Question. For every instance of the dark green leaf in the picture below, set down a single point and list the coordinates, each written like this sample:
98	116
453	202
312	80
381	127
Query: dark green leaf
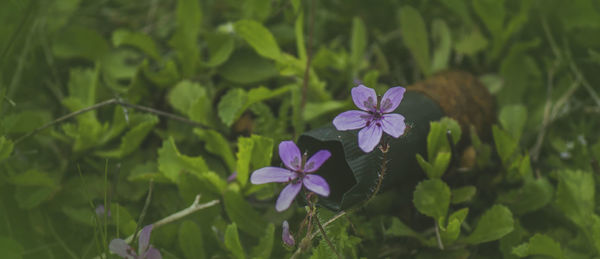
171	163
259	37
138	40
10	248
513	118
463	194
432	198
442	45
414	35
265	243
189	19
493	225
232	242
241	213
540	244
190	240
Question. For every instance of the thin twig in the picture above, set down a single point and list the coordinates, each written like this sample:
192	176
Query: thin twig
144	210
106	103
325	236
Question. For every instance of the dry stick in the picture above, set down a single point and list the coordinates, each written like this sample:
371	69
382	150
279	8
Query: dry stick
196	206
106	103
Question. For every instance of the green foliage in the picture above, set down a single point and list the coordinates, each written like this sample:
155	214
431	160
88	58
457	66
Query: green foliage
415	37
11	248
190	240
432	198
540	244
495	223
232	242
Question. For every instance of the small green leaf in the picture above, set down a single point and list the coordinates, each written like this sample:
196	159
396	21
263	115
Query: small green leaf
533	195
505	144
414	35
10	248
190	240
167	75
241	213
216	144
133	138
492	82
246	67
437	140
399	229
259	37
540	244
189	19
185	94
33	177
76	41
463	194
231	104
6	148
220	47
432	198
493	225
254	152
492	13
358	43
471	43
450	233
171	163
265	244
139	40
575	196
232	242
513	118
442	40
313	110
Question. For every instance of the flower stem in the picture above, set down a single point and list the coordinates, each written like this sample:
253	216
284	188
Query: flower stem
326	237
384	147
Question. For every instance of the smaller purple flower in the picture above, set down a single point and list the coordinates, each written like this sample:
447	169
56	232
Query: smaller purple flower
145	251
288	239
375	117
100	211
298	172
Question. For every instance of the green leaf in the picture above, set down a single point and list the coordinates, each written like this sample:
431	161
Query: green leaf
358	43
492	82
313	110
432	198
450	233
184	95
189	20
220	46
236	101
241	213
79	42
493	225
171	163
540	244
254	152
216	144
190	240
259	37
265	243
165	76
29	197
246	67
533	195
575	196
437	140
232	242
126	222
463	194
442	40
6	148
133	138
505	144
33	177
10	248
513	118
492	13
414	35
138	40
471	43
399	229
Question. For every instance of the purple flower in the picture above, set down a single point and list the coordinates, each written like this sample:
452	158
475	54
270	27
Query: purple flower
298	173
288	239
100	211
145	251
375	117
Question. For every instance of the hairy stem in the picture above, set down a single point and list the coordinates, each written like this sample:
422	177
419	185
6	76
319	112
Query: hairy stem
325	236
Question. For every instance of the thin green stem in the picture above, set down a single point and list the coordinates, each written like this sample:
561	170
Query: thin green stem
144	210
325	235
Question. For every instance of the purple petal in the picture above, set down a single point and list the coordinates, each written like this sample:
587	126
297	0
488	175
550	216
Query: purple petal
393	124
144	239
391	99
288	239
369	137
316	160
272	175
152	253
365	98
232	177
350	120
121	248
287	195
290	154
316	184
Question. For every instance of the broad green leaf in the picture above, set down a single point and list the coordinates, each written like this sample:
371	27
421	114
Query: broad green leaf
265	243
171	163
6	148
259	37
533	195
540	244
463	194
220	47
189	21
492	13
185	94
358	43
575	196
215	143
76	41
262	151
471	43
505	144
246	67
190	240
432	198
231	104
11	249
232	242
133	138
513	118
495	223
33	177
254	152
442	45
241	213
138	40
313	110
414	35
